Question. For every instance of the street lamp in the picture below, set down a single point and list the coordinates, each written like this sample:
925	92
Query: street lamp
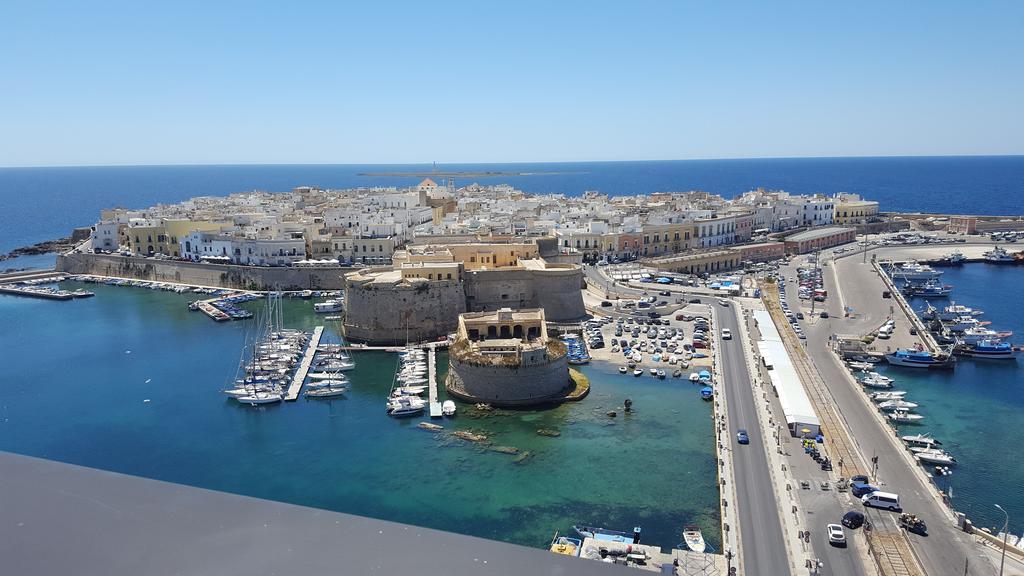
1002	558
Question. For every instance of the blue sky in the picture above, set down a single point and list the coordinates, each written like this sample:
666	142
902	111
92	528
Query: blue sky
375	82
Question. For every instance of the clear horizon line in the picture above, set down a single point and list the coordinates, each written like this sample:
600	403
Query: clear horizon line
507	163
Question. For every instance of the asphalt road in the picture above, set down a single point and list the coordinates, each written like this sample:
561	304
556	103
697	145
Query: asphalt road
763	548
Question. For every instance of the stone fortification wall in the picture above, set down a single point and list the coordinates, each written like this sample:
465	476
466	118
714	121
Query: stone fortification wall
556	290
518	385
393	313
222	275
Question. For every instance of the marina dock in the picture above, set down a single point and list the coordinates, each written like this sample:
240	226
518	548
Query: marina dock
435	406
307	359
36	293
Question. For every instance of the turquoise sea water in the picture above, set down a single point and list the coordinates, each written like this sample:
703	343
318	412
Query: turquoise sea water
977	410
129	381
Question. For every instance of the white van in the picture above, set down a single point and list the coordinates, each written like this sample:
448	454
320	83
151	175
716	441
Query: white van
886	500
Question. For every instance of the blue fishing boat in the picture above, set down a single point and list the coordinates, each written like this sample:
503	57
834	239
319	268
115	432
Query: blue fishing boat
707	393
917	358
990	349
606	535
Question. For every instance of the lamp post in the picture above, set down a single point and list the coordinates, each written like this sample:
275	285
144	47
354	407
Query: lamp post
1006	524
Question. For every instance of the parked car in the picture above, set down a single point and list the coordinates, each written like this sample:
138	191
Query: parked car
860	489
606	304
823	314
694	301
800	315
836	537
742	437
853	519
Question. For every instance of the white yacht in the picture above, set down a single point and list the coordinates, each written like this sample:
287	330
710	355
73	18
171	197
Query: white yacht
935	456
886	396
328	306
914	271
954	311
897	405
405	406
902	417
923	440
448	408
328	392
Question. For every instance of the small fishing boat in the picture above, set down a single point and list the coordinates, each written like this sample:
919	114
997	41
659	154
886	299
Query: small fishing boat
890	405
707	393
638	372
622	369
919	358
693	538
885	396
448	408
565	545
605	535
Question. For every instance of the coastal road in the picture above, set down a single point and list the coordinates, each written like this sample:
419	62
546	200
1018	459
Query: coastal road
945	546
763	547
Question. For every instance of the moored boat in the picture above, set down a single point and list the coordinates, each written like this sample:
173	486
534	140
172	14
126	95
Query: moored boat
916	358
693	538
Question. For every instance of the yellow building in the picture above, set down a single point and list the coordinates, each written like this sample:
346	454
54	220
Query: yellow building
165	238
474	256
432	270
851	209
662	239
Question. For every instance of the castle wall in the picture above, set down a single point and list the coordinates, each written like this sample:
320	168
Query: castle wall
545	381
393	313
203	274
555	290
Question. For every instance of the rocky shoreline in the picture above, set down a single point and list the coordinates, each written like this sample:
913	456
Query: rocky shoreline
59	245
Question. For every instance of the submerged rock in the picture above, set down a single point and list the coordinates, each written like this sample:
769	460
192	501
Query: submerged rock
504	449
549	432
430	426
470	436
523	456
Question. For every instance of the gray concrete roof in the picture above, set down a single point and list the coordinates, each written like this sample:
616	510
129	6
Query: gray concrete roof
817	233
58	518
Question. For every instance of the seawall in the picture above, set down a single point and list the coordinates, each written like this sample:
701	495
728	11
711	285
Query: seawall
203	274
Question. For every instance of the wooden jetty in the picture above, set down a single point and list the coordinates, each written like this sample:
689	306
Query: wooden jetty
307	360
435	406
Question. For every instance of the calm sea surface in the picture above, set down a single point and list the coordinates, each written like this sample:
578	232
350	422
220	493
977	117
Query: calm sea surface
977	409
129	381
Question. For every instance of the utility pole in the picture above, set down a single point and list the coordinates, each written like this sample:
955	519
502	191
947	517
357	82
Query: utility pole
1002	558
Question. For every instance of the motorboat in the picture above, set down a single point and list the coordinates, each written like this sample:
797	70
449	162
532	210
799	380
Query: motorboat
973	336
860	365
328	306
875	376
963	323
623	369
954	311
935	456
923	440
448	408
405	406
885	396
693	538
660	374
638	372
918	358
869	382
903	417
408	391
707	393
913	271
335	367
890	405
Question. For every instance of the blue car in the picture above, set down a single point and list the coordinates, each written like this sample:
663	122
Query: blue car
741	436
859	489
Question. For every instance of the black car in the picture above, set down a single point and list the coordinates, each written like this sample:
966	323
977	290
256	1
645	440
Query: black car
606	304
824	314
853	520
665	293
694	300
800	315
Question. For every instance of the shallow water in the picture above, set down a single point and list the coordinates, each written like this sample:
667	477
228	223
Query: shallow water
75	389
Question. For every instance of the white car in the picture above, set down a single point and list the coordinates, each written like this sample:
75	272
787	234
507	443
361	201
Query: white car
836	536
723	302
726	334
